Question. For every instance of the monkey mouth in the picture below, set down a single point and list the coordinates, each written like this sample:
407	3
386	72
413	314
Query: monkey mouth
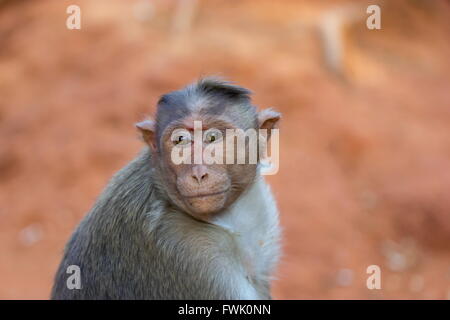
203	195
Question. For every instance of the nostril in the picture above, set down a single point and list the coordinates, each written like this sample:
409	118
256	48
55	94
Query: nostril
199	173
199	177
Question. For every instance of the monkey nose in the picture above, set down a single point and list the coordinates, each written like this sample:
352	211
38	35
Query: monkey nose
199	173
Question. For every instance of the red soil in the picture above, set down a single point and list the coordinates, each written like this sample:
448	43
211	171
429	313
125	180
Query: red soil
364	167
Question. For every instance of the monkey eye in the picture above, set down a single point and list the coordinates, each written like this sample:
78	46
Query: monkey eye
181	137
181	140
212	136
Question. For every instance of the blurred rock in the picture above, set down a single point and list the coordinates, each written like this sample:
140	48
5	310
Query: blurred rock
344	277
31	234
400	256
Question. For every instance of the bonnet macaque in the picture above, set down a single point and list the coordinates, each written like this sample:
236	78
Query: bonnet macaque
166	230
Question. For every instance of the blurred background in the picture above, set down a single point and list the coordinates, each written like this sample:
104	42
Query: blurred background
365	139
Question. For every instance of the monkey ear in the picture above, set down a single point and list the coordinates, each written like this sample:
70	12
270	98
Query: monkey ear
268	119
147	129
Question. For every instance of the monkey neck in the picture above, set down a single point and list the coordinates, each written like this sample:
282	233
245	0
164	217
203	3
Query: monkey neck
250	205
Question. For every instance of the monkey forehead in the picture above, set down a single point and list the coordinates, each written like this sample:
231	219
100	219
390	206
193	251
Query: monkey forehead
202	116
197	122
205	122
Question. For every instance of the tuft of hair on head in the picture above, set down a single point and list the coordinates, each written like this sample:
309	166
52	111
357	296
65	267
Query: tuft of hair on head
218	86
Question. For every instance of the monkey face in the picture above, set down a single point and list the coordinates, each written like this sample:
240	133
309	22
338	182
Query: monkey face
198	186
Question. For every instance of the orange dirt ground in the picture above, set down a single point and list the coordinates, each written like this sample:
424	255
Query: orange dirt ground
364	166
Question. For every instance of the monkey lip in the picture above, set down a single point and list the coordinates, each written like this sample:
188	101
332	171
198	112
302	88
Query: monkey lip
202	195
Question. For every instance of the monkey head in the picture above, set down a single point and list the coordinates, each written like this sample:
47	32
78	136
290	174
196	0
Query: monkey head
200	123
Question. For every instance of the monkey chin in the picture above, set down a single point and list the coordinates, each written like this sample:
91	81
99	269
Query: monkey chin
205	206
